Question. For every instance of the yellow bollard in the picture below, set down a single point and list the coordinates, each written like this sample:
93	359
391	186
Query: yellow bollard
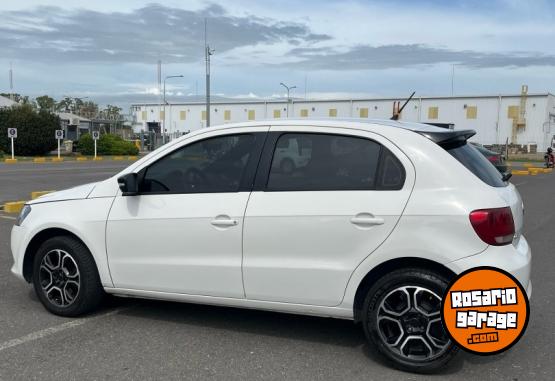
10	161
57	159
81	158
39	160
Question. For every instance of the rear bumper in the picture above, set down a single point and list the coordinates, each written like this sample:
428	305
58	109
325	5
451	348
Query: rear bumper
517	260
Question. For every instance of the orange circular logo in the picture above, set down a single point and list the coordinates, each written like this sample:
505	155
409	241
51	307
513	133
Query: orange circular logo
485	310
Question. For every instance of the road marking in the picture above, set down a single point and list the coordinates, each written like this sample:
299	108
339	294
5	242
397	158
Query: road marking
522	183
9	217
53	330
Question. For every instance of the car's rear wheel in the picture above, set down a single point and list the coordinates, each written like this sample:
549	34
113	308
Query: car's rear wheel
65	277
402	318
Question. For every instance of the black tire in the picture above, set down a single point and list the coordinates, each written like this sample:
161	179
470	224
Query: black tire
80	299
388	335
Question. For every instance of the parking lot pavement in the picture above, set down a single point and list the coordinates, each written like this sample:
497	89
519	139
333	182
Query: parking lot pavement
18	180
137	339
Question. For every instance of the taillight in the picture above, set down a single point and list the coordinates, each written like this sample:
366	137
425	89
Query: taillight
494	226
493	159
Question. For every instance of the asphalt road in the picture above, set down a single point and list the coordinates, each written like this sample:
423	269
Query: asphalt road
18	180
137	339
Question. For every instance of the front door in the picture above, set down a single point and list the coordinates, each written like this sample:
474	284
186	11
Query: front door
183	232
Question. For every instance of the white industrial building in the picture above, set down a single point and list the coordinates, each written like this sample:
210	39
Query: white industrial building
6	102
522	119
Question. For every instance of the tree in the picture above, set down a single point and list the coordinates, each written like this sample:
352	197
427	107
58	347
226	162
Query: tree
65	105
88	110
35	130
46	103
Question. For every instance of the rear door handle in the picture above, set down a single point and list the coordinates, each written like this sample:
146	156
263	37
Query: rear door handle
367	220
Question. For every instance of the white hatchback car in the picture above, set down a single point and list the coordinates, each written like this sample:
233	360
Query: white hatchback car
371	227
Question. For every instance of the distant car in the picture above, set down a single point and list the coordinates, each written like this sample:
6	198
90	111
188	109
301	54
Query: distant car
497	159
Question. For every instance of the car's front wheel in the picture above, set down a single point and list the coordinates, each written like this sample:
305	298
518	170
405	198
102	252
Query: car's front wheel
65	277
402	318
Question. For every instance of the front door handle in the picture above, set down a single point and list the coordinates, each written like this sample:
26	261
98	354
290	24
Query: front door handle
367	219
223	221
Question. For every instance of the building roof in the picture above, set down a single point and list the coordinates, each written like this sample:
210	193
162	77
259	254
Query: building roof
231	101
6	102
70	117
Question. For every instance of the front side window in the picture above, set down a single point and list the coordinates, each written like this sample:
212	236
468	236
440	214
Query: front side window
305	162
208	166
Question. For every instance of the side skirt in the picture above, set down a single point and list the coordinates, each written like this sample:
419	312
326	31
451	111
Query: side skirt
297	309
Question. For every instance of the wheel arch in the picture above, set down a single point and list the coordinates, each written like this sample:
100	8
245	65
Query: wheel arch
388	266
37	240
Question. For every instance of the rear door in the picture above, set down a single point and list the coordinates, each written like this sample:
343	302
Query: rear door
308	227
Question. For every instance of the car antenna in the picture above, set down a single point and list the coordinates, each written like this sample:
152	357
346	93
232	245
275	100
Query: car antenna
397	112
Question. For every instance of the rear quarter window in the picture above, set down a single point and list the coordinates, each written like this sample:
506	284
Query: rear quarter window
476	163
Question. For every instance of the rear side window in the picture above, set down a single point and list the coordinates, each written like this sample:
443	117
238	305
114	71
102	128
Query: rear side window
476	163
314	162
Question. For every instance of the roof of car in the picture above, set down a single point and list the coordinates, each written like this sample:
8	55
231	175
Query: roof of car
437	134
359	122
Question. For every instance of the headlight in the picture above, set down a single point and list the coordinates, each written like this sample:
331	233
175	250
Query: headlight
23	214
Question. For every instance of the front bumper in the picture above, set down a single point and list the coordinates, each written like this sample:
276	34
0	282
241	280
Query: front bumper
516	260
16	240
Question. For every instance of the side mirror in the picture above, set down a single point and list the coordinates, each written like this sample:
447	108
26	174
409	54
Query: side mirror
128	184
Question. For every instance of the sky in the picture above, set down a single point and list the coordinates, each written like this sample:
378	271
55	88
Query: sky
107	50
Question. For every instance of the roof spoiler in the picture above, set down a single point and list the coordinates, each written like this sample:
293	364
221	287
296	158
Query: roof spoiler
449	137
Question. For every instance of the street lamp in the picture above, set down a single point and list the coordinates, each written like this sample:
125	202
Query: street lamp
164	121
288	88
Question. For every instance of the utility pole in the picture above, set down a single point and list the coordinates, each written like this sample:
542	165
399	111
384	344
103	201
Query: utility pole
288	88
165	103
11	83
453	79
207	53
159	79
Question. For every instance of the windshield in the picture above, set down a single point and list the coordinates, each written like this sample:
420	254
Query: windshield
471	158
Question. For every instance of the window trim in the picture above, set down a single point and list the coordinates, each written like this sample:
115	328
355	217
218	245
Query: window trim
267	157
247	180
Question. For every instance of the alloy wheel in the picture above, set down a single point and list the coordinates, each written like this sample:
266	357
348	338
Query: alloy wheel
59	278
409	323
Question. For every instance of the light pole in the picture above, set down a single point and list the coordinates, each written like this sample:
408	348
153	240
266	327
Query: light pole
164	119
288	88
453	78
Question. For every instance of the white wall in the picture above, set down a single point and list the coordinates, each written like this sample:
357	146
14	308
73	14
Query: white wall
492	122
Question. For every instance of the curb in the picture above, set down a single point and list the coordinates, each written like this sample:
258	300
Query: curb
16	206
517	172
13	207
37	194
